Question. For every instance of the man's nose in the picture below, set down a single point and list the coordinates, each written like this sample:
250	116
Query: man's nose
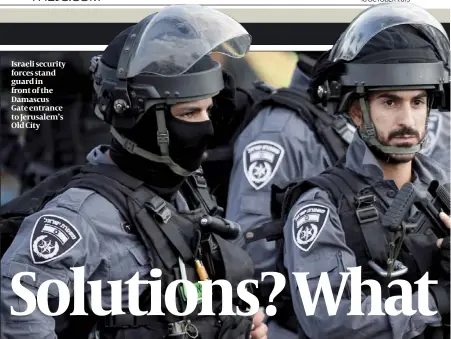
406	115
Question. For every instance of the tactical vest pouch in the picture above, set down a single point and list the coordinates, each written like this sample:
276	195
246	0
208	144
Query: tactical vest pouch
236	263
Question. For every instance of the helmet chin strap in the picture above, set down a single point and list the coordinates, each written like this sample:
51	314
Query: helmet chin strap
368	134
163	143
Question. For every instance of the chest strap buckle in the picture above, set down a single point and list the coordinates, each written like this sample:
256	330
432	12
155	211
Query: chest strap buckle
366	212
158	207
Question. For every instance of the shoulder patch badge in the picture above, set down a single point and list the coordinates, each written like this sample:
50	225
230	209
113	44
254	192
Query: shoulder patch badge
432	132
51	238
261	159
308	223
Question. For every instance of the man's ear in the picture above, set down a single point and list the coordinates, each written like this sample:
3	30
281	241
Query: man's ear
355	112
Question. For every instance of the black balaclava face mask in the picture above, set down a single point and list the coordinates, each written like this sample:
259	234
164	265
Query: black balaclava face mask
187	143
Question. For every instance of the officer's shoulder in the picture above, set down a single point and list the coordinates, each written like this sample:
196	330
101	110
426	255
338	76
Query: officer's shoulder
316	196
275	122
288	115
280	112
62	217
85	202
274	119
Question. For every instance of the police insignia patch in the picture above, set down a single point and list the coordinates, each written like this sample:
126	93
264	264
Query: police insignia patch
261	159
307	225
432	132
51	238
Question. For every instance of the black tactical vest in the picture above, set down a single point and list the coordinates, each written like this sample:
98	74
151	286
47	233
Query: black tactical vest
360	210
169	237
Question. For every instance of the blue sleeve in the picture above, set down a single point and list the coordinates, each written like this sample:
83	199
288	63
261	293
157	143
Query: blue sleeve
47	245
276	148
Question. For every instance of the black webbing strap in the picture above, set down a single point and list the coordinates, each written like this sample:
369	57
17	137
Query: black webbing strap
198	186
349	185
166	238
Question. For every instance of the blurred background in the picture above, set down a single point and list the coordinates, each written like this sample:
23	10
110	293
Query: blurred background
27	154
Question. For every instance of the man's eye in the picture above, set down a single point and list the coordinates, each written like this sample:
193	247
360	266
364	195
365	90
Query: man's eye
187	115
389	102
418	102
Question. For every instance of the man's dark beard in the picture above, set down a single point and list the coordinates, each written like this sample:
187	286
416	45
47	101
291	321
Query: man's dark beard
403	131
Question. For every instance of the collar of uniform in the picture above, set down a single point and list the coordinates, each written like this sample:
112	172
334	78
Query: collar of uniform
362	161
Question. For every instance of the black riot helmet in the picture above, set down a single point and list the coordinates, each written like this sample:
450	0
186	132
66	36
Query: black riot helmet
396	46
163	60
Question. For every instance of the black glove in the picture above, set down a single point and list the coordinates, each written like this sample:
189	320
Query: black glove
444	262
